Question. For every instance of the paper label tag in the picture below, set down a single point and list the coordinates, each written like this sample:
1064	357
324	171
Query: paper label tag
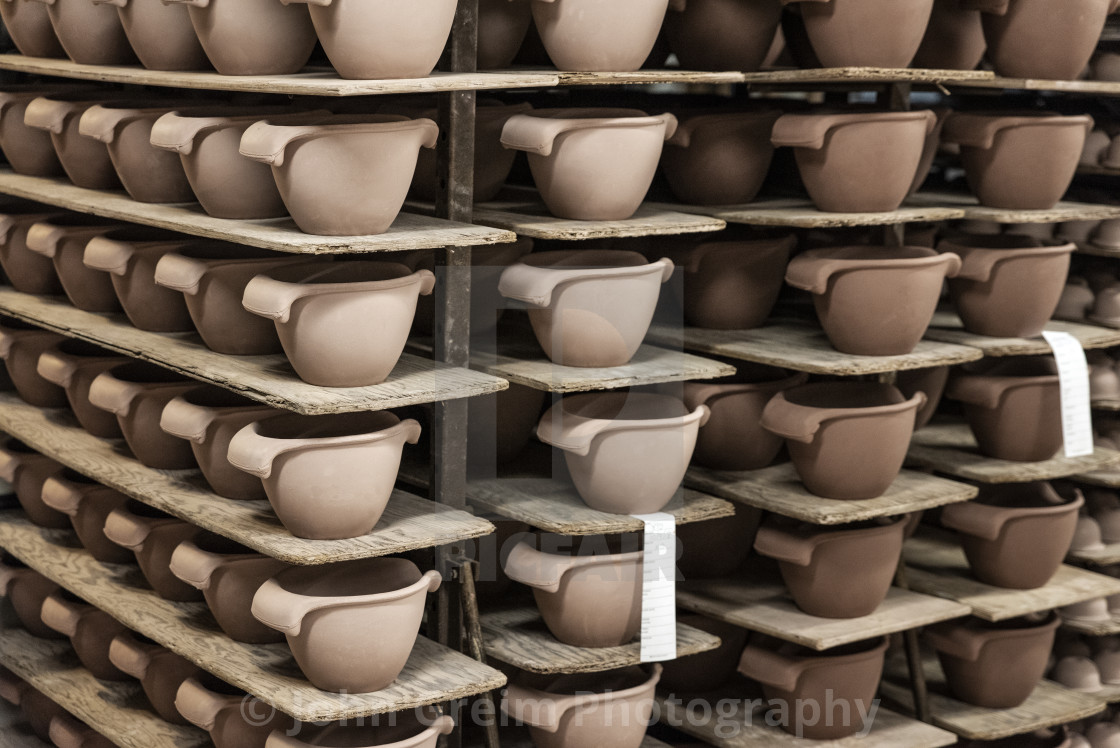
659	588
1073	371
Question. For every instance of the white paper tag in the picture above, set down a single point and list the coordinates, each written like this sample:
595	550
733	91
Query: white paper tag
1073	371
659	588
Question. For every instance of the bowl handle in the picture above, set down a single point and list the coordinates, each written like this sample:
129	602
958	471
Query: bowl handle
111	394
192	3
791	421
107	255
10	464
8	574
987	522
254	454
955	641
273	299
7	223
194	565
46	114
199	705
53	367
537	135
186	421
102	123
66	732
772	668
61	495
131	656
126	529
180	273
284	611
803	132
789	547
172	132
812	275
61	615
543	571
12	687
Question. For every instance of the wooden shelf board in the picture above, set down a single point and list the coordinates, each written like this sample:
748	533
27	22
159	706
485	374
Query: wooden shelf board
1091	88
268	379
1111	406
119	711
516	635
948	328
765	605
802	347
1106	555
778	489
1108	477
410	231
1109	694
866	75
409	522
1093	628
936	565
1063	211
644	77
801	213
949	447
434	673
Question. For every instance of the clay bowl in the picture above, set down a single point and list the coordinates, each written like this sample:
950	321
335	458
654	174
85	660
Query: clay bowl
707	671
1027	40
88	504
136	394
865	33
253	37
130	257
208	417
954	38
717	548
90	33
160	672
931	382
502	26
573	711
993	665
1013	407
835	572
590	164
1076	301
722	34
26	589
1015	536
26	271
873	301
70	733
587	35
1077	673
212	277
500	426
588	308
588	597
327	477
733	437
791	675
36	708
26	470
20	347
161	34
309	301
228	575
91	631
63	240
85	161
1098	149
627	453
399	730
856	163
233	719
73	365
1018	162
1086	535
28	150
1105	310
29	26
847	439
153	536
1008	286
351	626
322	170
720	159
1108	234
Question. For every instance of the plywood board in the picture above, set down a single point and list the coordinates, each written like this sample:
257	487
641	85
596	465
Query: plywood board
867	75
1106	555
1063	211
267	379
1093	628
778	489
802	213
1089	88
1110	406
434	673
409	522
948	328
529	217
1108	477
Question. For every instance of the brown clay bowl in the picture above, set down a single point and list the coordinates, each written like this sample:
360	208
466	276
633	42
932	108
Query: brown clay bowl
73	365
26	470
153	536
88	504
21	345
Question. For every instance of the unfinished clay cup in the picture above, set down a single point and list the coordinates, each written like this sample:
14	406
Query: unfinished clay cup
73	365
847	439
873	301
1087	535
421	728
1076	301
993	665
228	576
720	159
26	589
954	38
1098	147
252	37
1106	309
29	25
587	597
351	626
865	33
35	707
322	170
856	163
26	271
791	675
1077	673
161	34
91	34
502	26
233	718
589	308
88	504
1108	234
28	150
707	671
1008	286
70	733
208	417
63	239
130	257
929	381
20	346
733	437
573	711
500	426
590	164
1109	665
91	631
586	35
26	470
1015	536
160	672
840	572
308	302
86	161
327	477
1013	407
718	547
153	536
1104	380
1018	162
722	34
136	394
